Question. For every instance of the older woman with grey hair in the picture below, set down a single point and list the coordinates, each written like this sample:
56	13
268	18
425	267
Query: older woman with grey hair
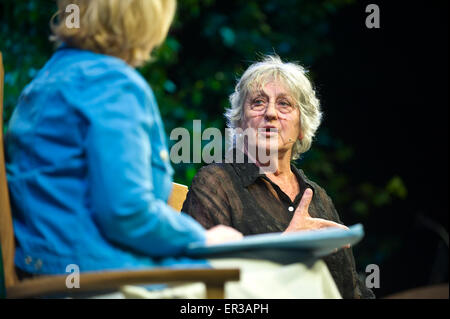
276	106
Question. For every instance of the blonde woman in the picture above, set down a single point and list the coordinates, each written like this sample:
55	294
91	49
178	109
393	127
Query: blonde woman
87	162
276	102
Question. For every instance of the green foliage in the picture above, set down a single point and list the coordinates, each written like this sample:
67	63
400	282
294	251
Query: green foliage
24	32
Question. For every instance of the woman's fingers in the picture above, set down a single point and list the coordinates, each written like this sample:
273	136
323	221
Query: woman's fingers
304	202
327	223
305	223
323	223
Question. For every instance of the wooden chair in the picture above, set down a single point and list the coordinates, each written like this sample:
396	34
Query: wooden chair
178	195
55	285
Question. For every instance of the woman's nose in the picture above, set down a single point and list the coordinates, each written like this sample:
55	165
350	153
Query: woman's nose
271	112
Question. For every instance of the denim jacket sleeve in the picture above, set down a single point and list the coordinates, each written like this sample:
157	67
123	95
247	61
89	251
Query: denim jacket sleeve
119	156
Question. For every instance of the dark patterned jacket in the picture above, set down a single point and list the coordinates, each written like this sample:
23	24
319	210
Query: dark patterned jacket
237	195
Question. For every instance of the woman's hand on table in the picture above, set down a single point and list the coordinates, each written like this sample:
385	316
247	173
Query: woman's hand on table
221	234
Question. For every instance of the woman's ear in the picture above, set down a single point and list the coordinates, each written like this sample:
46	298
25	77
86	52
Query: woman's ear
300	136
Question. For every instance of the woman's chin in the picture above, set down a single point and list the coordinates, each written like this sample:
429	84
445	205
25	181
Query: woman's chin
270	143
267	149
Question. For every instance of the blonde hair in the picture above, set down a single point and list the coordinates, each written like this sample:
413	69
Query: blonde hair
293	76
127	29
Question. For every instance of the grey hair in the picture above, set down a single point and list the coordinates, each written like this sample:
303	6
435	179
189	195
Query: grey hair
293	76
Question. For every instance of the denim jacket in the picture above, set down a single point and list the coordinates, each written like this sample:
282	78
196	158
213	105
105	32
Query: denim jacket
89	173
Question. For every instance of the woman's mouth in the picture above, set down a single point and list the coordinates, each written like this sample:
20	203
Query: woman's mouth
268	131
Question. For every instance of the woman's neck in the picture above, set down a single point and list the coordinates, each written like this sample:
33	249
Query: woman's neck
282	166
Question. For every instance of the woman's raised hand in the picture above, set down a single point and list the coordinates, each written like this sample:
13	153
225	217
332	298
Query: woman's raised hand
302	221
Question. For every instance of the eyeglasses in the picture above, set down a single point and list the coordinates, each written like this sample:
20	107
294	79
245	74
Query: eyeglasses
260	104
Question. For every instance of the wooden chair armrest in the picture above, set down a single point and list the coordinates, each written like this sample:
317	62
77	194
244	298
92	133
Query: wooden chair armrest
214	280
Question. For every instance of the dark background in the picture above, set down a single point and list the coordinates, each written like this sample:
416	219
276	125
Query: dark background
382	150
386	93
